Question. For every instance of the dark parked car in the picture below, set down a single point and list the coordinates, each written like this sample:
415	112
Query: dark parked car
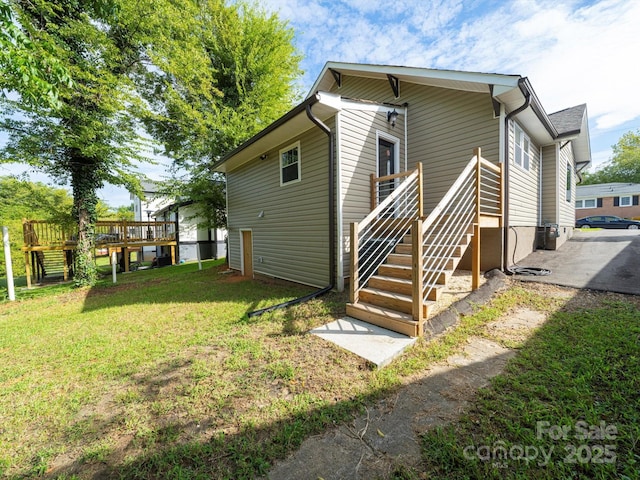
607	221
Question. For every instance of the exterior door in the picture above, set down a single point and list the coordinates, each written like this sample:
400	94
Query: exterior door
386	166
247	253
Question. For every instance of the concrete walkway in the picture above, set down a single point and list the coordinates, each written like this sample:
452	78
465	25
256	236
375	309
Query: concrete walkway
388	433
607	260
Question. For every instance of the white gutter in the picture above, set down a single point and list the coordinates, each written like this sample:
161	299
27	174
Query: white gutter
340	227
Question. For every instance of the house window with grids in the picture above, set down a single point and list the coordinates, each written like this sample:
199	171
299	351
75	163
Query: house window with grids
290	164
523	149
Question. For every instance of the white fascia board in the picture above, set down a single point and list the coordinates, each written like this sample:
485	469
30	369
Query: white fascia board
415	74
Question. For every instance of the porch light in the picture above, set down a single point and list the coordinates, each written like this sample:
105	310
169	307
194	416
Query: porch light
392	117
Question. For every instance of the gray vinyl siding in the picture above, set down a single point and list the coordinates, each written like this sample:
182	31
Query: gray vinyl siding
567	208
359	131
444	126
523	185
292	236
550	184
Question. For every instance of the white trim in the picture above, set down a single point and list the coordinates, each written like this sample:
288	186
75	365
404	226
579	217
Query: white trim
582	200
406	142
526	139
339	219
299	162
630	197
396	155
240	230
502	83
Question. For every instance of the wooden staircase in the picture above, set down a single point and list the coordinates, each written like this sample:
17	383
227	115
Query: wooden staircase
387	298
401	260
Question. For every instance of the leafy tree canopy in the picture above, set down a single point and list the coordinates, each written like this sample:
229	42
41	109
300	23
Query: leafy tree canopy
27	67
201	75
624	166
253	62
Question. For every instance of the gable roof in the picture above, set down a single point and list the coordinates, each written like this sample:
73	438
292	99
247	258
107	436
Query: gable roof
607	190
512	91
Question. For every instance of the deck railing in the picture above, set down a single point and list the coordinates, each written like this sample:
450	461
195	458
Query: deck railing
377	235
121	232
476	193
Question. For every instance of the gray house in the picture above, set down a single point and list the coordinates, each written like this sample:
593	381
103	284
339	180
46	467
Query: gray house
384	176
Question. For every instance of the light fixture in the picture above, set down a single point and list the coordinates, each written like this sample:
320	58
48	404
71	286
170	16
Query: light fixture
263	156
392	117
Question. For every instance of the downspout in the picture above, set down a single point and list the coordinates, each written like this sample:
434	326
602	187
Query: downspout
332	227
521	108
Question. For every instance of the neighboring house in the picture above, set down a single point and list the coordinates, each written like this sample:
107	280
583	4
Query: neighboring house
191	235
620	199
143	210
295	189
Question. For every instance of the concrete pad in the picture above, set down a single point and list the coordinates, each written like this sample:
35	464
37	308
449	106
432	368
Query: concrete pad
375	344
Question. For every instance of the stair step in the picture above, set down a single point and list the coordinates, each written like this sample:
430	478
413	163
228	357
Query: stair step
401	285
465	239
399	259
385	318
391	300
405	271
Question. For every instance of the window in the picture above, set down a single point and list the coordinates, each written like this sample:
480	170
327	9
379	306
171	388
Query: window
523	148
586	203
290	164
625	201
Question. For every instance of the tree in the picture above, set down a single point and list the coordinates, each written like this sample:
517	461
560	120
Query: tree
26	67
93	136
183	68
254	63
624	166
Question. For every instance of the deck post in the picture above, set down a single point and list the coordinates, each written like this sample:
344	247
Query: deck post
372	186
173	254
65	268
475	242
27	266
416	275
354	263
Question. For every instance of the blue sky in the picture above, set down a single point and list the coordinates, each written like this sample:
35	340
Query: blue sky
573	52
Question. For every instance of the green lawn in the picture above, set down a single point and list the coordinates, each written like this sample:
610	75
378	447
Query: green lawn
567	407
162	375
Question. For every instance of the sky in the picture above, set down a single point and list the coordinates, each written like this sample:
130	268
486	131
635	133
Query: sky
573	52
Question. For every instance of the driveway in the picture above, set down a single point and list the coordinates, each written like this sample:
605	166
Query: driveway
606	260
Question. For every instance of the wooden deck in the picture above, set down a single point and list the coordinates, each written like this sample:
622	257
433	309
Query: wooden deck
41	237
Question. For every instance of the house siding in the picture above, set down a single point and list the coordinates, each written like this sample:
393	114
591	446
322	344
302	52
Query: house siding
444	127
523	185
550	181
359	131
290	241
567	207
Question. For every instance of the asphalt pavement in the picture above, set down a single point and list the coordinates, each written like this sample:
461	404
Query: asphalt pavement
607	260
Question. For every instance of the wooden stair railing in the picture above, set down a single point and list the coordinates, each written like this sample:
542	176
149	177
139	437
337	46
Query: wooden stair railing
401	291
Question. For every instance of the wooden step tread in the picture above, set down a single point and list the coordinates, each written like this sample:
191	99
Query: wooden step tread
387	312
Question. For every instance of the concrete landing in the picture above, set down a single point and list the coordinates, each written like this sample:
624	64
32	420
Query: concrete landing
375	344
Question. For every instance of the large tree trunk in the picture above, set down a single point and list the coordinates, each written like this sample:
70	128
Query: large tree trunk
85	181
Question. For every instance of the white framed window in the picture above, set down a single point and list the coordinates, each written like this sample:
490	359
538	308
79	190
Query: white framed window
522	149
290	164
626	201
587	203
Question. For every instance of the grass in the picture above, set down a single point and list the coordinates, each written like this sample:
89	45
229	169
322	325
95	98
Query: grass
568	405
163	375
